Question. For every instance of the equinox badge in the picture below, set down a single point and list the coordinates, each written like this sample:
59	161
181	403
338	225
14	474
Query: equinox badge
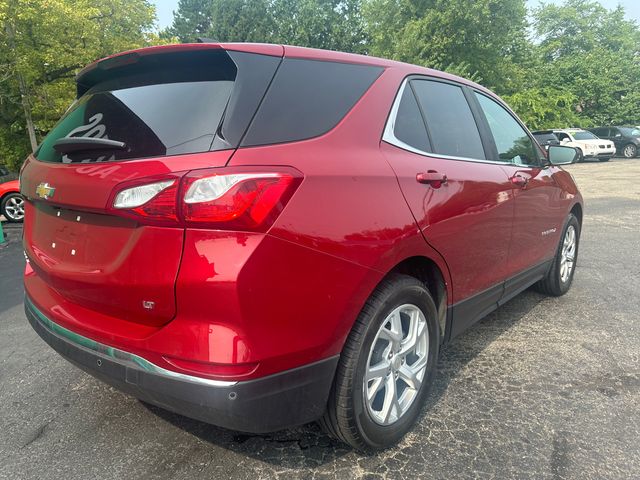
44	190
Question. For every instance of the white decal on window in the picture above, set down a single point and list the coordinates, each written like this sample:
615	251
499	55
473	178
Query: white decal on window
93	129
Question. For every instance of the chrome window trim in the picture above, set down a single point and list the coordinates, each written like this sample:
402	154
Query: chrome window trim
389	136
116	355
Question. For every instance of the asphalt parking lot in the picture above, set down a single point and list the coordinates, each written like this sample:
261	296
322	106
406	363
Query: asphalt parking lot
542	388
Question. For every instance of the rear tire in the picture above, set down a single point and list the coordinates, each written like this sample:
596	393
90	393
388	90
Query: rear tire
356	413
558	280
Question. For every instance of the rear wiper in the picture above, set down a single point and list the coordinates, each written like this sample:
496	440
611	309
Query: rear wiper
84	144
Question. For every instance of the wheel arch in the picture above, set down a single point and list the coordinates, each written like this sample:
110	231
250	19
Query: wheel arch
4	194
428	272
578	212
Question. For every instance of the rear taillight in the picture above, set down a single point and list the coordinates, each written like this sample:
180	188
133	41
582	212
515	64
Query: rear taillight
242	201
220	198
135	197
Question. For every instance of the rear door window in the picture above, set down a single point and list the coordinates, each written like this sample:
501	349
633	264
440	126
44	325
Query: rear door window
155	113
512	141
308	98
450	123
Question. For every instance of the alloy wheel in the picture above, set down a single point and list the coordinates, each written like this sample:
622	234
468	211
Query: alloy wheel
396	364
568	254
14	208
629	151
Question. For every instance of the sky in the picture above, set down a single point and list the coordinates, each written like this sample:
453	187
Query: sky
165	8
164	11
631	7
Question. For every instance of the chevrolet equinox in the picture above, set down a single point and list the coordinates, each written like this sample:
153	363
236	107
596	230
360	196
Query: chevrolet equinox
260	236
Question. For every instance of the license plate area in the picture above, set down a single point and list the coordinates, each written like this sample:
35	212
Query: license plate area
85	240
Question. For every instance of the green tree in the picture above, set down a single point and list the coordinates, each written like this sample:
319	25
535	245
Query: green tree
484	39
190	21
43	45
330	24
542	108
593	54
241	21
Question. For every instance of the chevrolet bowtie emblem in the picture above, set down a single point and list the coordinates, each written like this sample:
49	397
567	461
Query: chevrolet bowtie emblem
44	190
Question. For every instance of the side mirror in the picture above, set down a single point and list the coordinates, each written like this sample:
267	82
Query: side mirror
559	155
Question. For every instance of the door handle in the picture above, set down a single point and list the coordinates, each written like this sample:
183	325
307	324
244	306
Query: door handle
433	178
519	180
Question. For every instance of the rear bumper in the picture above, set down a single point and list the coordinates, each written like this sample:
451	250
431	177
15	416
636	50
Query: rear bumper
283	400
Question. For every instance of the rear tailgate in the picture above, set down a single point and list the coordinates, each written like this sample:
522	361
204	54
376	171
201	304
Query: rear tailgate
171	108
104	262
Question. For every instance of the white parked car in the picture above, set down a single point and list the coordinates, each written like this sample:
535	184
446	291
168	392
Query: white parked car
588	145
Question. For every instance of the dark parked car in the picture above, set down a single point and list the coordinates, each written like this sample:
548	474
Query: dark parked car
260	236
626	139
546	138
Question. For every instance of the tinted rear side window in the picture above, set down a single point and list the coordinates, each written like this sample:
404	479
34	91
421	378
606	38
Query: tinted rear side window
308	98
452	128
163	111
409	126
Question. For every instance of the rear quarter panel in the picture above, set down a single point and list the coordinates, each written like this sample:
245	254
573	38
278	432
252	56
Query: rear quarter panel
348	207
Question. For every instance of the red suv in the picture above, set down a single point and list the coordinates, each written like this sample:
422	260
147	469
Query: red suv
260	236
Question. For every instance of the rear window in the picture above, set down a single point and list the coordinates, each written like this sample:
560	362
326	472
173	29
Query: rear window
165	110
308	98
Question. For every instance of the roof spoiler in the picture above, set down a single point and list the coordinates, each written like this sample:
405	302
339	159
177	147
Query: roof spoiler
101	69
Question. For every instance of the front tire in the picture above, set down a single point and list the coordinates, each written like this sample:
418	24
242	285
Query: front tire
629	150
386	367
560	276
580	157
12	207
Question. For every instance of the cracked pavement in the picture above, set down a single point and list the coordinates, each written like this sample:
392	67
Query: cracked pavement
542	388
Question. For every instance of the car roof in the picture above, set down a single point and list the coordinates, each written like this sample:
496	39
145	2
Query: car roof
542	132
570	130
287	51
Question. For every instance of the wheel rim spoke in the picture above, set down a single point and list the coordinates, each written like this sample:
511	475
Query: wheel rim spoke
410	374
375	387
390	399
568	253
377	371
392	331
